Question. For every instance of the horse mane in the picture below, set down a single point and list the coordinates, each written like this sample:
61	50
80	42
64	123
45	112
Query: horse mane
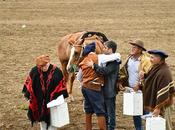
91	33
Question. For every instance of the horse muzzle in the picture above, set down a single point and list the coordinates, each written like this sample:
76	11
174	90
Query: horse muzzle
72	69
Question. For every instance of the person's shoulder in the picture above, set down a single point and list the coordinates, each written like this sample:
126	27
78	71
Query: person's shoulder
118	62
92	54
34	70
58	72
164	71
114	63
57	69
145	57
165	68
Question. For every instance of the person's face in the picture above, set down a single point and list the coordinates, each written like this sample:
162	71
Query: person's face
135	50
45	67
155	59
107	50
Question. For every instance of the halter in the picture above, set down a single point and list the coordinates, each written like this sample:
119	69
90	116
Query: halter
81	53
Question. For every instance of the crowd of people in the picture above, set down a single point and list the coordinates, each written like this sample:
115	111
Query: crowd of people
101	80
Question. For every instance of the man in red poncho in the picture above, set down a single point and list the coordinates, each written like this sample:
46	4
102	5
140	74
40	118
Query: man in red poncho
44	83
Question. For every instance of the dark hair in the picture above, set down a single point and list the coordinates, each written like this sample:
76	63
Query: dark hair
112	45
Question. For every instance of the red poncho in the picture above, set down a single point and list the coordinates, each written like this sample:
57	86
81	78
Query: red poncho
40	88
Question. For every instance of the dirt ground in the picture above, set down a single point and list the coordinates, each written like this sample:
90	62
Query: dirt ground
29	28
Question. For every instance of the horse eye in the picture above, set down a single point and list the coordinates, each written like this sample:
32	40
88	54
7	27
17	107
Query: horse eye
76	54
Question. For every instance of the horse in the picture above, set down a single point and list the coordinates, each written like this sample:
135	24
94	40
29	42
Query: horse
70	49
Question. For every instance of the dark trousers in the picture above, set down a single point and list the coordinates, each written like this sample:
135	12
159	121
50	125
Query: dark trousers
137	122
110	108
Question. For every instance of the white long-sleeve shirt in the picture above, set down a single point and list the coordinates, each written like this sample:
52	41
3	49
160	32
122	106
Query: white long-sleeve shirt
103	58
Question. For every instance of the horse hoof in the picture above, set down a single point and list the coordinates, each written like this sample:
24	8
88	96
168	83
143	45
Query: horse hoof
70	99
67	100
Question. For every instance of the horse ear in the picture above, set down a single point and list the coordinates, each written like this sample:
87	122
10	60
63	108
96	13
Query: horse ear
71	41
100	38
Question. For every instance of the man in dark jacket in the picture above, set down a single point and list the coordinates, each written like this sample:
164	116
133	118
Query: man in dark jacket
110	72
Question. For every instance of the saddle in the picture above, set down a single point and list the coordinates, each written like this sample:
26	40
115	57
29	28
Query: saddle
87	36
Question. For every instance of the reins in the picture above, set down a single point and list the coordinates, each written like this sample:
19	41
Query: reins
82	45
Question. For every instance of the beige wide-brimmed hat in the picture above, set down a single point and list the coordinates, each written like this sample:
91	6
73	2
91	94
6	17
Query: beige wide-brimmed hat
42	60
138	43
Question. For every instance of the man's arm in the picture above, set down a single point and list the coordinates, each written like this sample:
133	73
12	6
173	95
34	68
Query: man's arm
103	59
110	68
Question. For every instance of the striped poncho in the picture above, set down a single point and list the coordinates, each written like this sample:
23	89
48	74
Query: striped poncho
158	88
40	88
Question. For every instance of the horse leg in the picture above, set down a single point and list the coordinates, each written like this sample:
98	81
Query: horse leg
65	74
63	67
71	80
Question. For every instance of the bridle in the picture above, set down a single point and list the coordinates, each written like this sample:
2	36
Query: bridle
82	46
81	53
74	66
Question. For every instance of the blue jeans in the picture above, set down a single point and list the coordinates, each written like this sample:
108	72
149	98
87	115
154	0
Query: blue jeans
110	108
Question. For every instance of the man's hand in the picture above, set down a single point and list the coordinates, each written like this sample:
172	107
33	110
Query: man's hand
120	87
136	87
141	75
90	63
156	112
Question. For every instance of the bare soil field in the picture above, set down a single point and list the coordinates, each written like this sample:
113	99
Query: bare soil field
29	28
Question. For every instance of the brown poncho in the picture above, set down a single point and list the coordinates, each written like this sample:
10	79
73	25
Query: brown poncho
159	88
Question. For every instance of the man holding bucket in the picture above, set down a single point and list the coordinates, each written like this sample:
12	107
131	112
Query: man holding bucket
129	73
159	88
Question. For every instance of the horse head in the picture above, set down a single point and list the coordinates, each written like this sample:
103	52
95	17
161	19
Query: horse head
78	46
